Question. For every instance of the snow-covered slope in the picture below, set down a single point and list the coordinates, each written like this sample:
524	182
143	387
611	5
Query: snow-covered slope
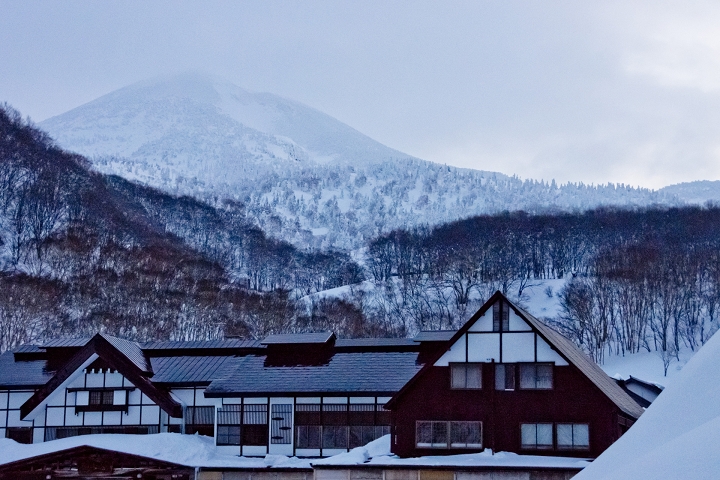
303	176
678	437
199	126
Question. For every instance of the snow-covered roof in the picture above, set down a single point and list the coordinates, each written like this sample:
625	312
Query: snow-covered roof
186	450
678	437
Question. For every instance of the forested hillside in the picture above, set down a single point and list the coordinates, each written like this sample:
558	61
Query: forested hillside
639	279
82	252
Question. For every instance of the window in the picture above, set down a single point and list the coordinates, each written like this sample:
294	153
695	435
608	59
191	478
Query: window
20	434
101	397
465	435
505	376
536	435
255	425
501	317
536	376
363	434
433	434
335	436
573	436
339	426
200	420
465	376
229	418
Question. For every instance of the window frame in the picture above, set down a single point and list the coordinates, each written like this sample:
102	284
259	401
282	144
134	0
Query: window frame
501	317
535	366
465	366
572	447
448	427
512	367
535	446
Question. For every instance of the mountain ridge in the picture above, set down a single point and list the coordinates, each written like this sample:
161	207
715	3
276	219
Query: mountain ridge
303	176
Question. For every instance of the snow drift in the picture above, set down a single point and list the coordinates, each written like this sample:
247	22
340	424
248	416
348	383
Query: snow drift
679	435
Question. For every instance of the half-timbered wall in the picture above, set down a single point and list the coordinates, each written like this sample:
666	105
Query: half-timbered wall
10	424
490	408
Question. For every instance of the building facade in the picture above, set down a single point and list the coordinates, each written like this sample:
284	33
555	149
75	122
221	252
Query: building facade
503	381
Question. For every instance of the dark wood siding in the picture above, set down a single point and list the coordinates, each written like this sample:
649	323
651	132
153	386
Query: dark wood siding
573	399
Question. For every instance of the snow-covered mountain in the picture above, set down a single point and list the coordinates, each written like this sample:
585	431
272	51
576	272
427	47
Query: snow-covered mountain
302	175
698	192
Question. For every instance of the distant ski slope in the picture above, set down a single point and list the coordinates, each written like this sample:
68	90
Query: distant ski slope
303	176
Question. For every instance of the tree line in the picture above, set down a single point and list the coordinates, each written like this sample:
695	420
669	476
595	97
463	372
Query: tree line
646	278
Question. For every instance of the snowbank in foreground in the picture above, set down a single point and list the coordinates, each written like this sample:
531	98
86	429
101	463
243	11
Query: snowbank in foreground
187	450
678	437
378	453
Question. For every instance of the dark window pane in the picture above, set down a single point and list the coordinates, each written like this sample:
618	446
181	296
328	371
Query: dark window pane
423	434
255	435
335	414
439	434
95	397
361	414
544	376
228	435
528	375
20	434
307	414
307	436
505	376
466	434
334	436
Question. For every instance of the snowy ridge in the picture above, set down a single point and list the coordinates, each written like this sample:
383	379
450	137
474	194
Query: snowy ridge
303	176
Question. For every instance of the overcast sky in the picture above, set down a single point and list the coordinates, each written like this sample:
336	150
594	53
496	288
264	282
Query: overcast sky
625	92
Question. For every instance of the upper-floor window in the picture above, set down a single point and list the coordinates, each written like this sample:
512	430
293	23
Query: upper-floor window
501	317
101	397
536	376
532	376
505	376
466	376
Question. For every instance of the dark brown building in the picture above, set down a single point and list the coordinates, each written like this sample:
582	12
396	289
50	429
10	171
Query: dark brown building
506	381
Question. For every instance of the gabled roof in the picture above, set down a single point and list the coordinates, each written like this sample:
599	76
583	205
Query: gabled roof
379	373
124	356
588	367
571	353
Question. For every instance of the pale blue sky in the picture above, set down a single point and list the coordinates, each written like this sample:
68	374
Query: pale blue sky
577	91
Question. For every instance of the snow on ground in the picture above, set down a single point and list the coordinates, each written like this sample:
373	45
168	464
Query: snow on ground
646	366
540	297
187	450
378	453
678	437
